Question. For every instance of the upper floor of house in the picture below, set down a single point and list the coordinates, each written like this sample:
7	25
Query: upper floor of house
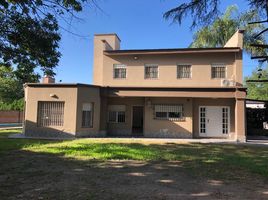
184	67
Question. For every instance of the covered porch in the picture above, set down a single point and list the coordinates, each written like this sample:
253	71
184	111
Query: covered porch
173	112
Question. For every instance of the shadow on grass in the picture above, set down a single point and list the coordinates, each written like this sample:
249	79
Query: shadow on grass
32	175
87	169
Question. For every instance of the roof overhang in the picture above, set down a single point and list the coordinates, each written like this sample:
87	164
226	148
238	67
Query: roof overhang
219	92
170	51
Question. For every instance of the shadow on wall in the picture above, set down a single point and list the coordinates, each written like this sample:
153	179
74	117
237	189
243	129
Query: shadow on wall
31	129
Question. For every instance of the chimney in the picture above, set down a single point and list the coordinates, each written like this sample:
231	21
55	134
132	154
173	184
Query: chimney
236	40
48	79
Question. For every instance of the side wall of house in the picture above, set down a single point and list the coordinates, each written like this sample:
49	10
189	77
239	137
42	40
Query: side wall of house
35	94
89	95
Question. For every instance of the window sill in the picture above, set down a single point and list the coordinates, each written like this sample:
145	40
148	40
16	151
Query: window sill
172	120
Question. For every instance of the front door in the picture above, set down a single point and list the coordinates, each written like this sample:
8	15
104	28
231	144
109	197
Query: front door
137	120
214	121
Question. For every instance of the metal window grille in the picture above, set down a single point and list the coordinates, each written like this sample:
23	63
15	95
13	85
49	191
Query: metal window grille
120	71
50	114
202	120
225	122
184	71
151	71
87	115
218	71
168	112
117	113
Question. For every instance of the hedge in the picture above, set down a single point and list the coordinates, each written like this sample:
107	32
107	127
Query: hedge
15	105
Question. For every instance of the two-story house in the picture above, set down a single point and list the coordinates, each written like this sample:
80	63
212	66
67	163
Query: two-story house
169	93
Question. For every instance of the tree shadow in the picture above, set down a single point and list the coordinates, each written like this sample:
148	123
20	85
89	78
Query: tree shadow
131	171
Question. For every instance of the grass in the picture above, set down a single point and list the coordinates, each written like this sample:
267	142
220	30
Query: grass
211	160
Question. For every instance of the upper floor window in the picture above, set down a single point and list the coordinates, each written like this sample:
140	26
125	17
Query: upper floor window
184	71
87	115
218	71
120	71
151	71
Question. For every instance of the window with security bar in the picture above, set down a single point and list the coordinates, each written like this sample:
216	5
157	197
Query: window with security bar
151	72
168	112
87	115
184	71
218	71
50	114
120	71
116	113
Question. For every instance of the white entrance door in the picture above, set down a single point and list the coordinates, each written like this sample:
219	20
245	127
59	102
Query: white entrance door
214	121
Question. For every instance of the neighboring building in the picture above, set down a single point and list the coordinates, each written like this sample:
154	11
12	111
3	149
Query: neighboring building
170	93
256	104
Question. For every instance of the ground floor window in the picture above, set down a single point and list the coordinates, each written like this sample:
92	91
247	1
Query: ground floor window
87	115
50	113
168	112
117	113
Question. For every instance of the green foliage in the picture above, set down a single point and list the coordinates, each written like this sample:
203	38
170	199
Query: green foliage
14	105
12	81
258	91
29	34
204	13
222	29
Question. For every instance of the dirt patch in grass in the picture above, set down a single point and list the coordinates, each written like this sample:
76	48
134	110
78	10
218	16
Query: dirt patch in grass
31	175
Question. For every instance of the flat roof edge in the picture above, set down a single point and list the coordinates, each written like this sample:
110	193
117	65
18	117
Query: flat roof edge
60	85
171	51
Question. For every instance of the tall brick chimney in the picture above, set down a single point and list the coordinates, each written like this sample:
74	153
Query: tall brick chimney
48	79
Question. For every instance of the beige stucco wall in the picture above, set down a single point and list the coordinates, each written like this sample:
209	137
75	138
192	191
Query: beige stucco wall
73	97
153	127
88	95
167	66
197	102
33	95
165	128
123	128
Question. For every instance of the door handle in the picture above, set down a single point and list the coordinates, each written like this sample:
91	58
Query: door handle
208	120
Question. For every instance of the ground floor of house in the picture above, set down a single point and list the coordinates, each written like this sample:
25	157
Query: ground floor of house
78	110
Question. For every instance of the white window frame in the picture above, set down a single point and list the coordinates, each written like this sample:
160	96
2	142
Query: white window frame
184	64
167	108
218	65
119	66
151	65
117	109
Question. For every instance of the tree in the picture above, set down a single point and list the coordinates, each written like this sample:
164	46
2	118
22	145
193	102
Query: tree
221	30
257	91
12	81
205	12
30	34
10	87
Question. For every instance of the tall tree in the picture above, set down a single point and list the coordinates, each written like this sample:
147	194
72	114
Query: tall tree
221	30
30	31
258	90
205	12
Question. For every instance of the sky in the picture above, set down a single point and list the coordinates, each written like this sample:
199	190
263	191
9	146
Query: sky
138	23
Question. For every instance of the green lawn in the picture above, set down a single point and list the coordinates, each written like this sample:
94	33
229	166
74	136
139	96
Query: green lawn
213	160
